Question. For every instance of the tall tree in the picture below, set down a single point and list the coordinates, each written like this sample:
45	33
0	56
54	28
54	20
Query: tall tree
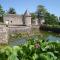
41	9
33	15
59	19
11	11
1	13
1	10
49	18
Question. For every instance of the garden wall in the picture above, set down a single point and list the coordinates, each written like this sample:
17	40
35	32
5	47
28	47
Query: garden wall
5	30
18	29
3	34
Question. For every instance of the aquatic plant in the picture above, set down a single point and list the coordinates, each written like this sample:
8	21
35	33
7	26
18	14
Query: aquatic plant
32	50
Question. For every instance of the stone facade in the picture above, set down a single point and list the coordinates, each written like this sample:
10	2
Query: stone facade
25	19
18	29
13	19
17	23
35	21
3	34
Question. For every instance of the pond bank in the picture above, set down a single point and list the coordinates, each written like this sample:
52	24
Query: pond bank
52	28
22	39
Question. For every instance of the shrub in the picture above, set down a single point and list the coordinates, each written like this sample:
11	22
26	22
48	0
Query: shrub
32	50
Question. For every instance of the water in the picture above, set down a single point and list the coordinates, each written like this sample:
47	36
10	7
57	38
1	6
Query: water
53	38
21	41
18	42
48	36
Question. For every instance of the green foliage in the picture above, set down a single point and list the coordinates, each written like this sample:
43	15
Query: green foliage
48	17
16	36
51	19
41	9
32	50
33	16
1	13
11	11
1	10
1	19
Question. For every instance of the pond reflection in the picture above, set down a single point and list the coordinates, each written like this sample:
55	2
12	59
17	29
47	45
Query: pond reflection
53	38
45	35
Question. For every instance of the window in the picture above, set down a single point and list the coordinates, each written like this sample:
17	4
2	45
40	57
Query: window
7	21
11	21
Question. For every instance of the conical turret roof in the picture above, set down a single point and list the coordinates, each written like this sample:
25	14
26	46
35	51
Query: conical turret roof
27	13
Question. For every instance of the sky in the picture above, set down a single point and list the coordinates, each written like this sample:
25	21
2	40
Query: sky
53	6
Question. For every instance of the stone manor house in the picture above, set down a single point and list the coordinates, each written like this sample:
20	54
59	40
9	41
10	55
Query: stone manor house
13	19
13	23
21	20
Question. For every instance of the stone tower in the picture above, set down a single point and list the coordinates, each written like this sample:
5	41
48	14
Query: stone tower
27	18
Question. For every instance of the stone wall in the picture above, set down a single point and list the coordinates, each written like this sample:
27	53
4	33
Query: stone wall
3	34
35	22
28	21
18	29
13	19
6	30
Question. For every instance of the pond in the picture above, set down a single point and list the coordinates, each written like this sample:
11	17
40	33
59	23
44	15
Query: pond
51	37
17	42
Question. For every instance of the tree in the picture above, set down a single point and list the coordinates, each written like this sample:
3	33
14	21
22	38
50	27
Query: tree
1	10
41	9
1	13
59	19
33	15
11	11
49	18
